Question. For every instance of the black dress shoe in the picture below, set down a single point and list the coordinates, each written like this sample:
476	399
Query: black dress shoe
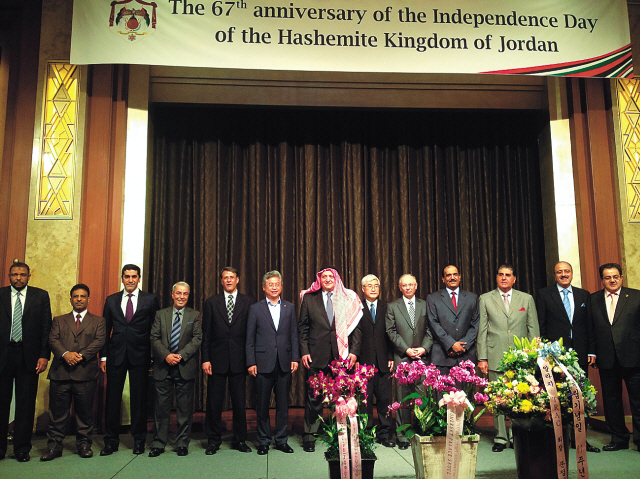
23	457
138	448
403	445
108	450
386	442
156	451
182	451
591	448
212	449
50	455
85	451
241	446
285	448
615	446
309	446
497	447
262	450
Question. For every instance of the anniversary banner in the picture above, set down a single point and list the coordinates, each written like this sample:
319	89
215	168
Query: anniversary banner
533	37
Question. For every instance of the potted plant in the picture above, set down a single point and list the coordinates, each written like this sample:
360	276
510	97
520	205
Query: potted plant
522	394
350	446
430	422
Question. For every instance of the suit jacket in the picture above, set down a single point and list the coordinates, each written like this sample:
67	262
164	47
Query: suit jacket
88	340
402	335
555	324
223	343
130	340
317	336
376	348
264	344
188	345
36	324
497	327
449	326
622	338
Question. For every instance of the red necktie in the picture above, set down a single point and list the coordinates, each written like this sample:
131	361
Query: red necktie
78	322
453	300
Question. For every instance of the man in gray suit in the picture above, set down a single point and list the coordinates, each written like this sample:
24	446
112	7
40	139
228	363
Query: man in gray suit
409	332
504	313
272	357
453	318
176	335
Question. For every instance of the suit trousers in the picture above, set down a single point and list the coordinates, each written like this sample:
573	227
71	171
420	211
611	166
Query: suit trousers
403	416
26	384
611	381
280	382
184	391
138	381
215	398
60	395
499	422
380	386
313	407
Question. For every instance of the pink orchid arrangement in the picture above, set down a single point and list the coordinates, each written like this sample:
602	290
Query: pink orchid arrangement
458	386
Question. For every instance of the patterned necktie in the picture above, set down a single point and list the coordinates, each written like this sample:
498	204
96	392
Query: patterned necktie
129	315
175	334
78	322
230	307
16	327
412	315
505	299
373	312
453	300
566	303
330	308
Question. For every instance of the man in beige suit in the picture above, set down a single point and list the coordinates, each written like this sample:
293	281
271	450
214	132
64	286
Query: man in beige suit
176	335
75	340
504	313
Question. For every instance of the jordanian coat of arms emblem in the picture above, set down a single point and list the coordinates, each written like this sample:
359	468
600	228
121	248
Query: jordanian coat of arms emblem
132	19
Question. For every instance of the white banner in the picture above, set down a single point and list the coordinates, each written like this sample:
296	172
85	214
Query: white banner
534	37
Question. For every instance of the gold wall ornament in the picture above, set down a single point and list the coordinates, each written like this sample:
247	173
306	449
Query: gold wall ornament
629	107
56	165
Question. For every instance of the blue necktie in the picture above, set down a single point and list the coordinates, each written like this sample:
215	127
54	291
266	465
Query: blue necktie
175	334
566	303
329	308
373	312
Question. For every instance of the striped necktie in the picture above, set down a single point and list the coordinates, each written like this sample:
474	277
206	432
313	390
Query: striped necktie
16	327
175	334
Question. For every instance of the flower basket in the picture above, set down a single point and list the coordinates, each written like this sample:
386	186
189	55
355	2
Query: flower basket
334	467
429	456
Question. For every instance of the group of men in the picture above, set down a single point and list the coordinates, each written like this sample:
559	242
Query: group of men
267	340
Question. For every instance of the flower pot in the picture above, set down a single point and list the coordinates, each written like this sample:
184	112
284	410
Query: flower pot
429	452
334	468
534	445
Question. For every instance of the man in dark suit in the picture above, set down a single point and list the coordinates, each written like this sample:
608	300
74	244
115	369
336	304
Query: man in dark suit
223	357
615	318
504	313
408	329
562	313
128	315
25	322
326	333
376	350
176	335
272	357
75	340
453	318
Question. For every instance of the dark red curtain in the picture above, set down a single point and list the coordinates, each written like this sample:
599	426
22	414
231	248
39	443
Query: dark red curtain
368	191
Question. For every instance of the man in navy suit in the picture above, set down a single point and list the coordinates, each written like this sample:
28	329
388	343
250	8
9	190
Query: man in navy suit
272	357
615	318
562	313
453	318
224	326
25	322
128	316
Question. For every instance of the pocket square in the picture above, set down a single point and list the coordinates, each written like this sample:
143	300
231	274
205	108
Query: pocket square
522	309
583	305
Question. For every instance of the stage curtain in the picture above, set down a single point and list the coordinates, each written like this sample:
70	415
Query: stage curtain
382	191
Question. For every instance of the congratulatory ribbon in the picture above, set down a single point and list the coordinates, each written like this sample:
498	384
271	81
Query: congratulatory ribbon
348	408
456	402
555	350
